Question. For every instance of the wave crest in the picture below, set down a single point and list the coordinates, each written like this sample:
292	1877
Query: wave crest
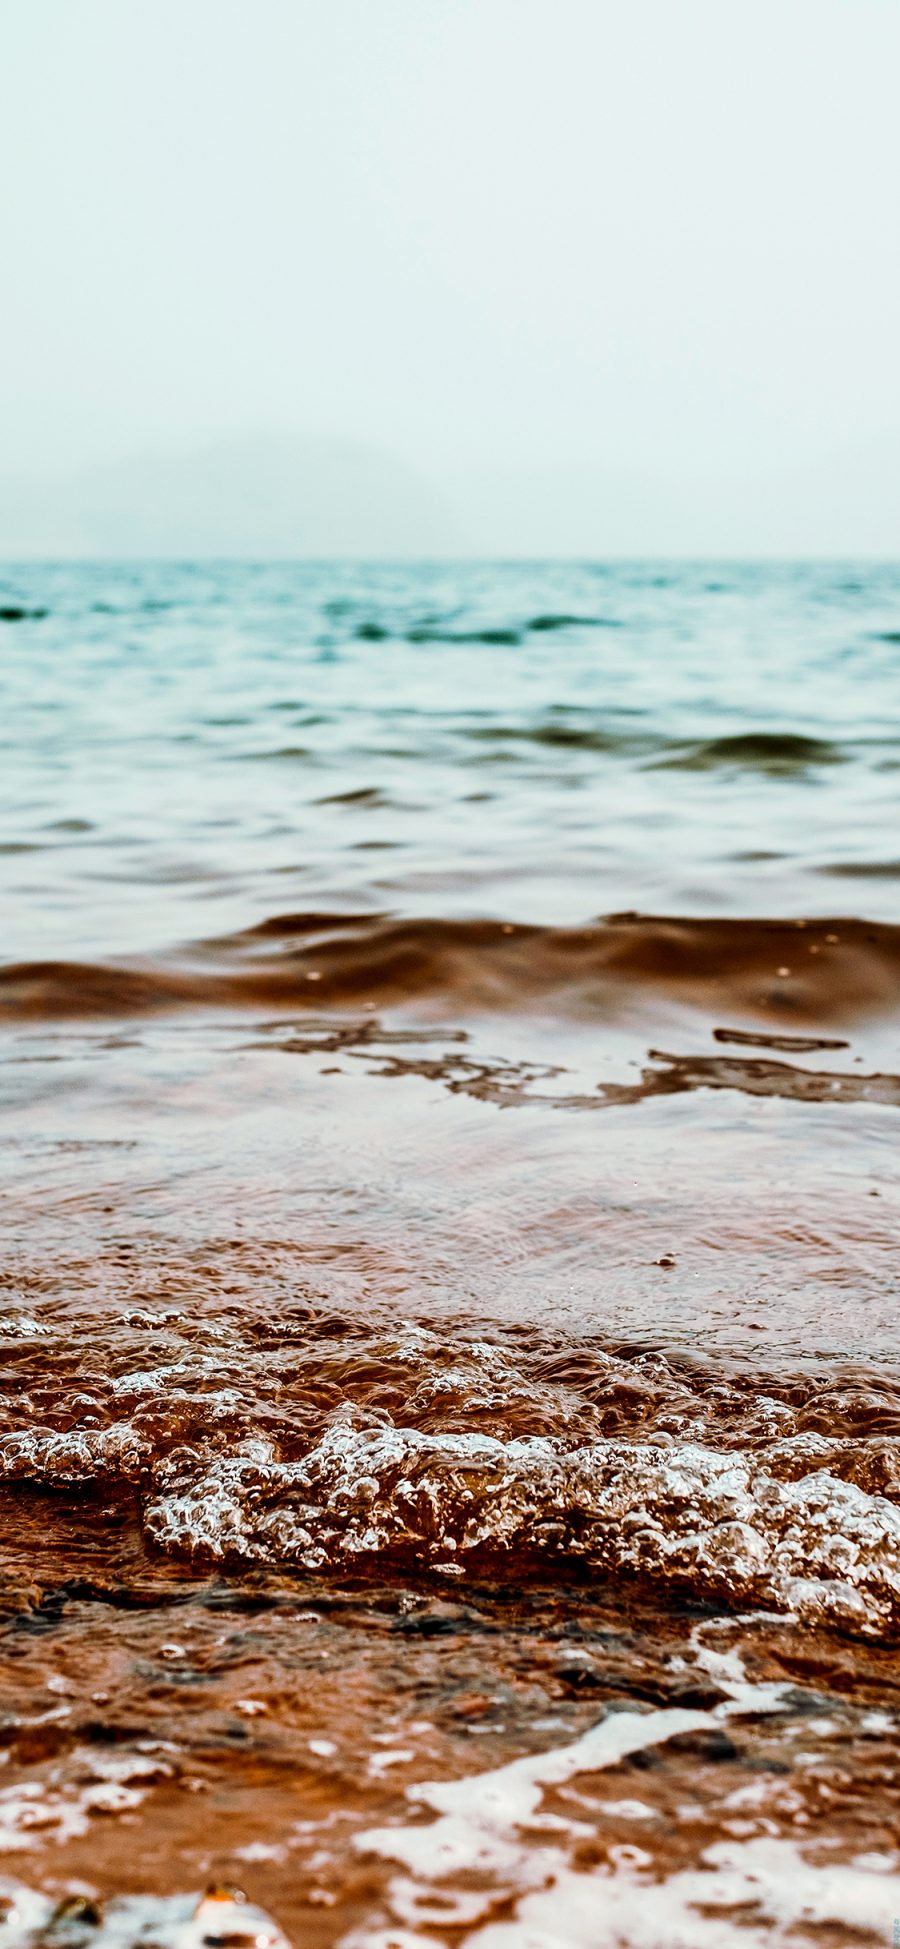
723	1525
806	970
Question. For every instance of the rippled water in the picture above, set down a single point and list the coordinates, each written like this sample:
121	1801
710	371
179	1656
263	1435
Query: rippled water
449	1037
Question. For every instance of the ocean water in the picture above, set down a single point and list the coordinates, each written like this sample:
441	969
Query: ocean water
451	1067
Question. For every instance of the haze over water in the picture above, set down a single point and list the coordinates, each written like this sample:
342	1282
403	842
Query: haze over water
448	1022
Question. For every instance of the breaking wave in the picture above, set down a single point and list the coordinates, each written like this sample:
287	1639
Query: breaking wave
289	1455
723	1526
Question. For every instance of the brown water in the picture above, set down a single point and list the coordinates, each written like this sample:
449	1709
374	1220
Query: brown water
450	1472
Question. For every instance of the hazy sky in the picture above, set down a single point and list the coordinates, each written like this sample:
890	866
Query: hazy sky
528	246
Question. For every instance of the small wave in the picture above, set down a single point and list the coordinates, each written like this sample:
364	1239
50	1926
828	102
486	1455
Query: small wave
359	795
44	990
317	1448
820	971
778	754
549	623
862	869
723	1526
785	754
500	638
283	752
503	635
561	733
775	1529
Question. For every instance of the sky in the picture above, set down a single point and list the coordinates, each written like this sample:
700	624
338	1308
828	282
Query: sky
609	275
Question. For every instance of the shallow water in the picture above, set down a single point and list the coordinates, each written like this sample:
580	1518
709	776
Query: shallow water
451	1067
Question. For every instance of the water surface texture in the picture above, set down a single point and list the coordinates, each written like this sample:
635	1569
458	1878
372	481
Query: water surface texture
449	1477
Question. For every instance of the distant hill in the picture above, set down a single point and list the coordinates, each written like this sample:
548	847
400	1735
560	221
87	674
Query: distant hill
280	496
259	497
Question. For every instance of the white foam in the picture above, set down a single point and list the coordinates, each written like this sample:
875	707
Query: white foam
629	1809
755	1891
79	1455
479	1816
33	1812
818	1547
782	1523
748	1895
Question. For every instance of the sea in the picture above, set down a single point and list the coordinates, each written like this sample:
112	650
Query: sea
450	1099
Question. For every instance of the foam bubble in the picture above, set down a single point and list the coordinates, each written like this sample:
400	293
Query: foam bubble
723	1524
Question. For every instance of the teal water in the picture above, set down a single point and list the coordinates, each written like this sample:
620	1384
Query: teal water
189	749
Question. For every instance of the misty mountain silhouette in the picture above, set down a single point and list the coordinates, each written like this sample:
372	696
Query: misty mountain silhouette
273	496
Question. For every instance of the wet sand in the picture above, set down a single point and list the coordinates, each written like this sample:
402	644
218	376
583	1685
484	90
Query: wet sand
300	1515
